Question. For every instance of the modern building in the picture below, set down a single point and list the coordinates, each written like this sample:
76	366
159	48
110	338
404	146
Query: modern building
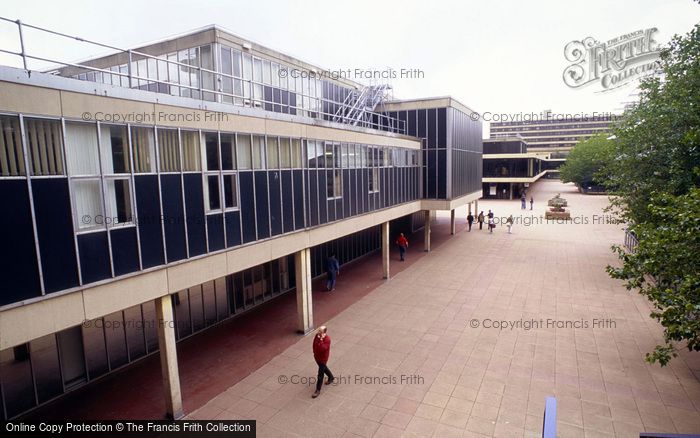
510	168
158	191
554	134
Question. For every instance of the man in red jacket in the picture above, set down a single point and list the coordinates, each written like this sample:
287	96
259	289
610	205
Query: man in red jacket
322	349
403	245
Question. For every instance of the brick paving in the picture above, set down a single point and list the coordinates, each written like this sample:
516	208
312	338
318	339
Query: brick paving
432	324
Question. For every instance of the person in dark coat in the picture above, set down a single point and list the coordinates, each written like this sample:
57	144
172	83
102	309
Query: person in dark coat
470	220
332	271
322	350
480	218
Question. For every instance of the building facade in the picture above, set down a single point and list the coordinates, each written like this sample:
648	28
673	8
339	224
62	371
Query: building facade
161	190
551	134
510	168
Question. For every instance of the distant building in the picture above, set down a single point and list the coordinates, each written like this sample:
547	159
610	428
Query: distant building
555	134
510	168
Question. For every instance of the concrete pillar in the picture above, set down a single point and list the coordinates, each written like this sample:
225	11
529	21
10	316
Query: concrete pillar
476	208
168	357
305	312
452	221
426	231
385	250
469	205
511	191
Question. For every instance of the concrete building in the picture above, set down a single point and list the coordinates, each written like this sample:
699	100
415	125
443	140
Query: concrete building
158	191
554	134
510	168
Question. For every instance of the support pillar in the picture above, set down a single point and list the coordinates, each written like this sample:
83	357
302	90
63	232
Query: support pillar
385	250
426	231
305	313
511	191
476	208
452	222
469	205
168	357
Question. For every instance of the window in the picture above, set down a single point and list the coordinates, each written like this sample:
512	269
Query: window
88	203
169	150
44	144
374	180
327	160
245	160
190	151
211	145
143	148
230	191
344	162
334	184
285	158
11	156
212	193
115	149
272	153
297	154
258	152
315	154
118	201
228	157
81	149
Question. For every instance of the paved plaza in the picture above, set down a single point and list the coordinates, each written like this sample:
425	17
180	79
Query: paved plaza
422	354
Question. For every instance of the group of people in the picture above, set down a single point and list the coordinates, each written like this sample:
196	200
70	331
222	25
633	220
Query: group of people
523	202
491	221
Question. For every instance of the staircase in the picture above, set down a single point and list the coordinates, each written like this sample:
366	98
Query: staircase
359	107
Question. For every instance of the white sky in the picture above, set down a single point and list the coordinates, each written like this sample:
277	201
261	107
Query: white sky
499	56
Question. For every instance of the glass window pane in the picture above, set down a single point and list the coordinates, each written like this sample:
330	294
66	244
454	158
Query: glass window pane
212	192
211	142
169	150
285	153
228	161
16	375
230	191
44	146
143	149
243	147
258	152
297	155
118	201
272	153
115	149
190	151
236	61
46	367
81	149
87	197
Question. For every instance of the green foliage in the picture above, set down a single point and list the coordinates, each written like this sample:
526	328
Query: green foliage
655	171
586	160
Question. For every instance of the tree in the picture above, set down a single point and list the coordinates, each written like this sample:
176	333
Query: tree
656	175
586	160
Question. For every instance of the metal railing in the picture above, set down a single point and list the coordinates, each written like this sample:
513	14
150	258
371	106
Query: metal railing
215	93
631	241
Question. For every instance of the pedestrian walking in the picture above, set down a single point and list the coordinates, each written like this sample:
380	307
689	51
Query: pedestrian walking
402	242
470	220
523	202
492	224
480	219
490	215
322	350
509	223
532	201
332	271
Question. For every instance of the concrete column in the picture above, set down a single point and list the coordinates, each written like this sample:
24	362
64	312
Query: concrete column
305	313
476	208
469	205
426	231
385	250
511	191
452	221
168	357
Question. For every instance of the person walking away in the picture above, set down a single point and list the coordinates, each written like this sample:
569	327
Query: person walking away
332	271
532	201
322	350
523	202
480	218
490	215
402	242
470	220
509	223
492	224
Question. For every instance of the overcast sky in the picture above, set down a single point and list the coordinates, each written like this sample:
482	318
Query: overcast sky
500	56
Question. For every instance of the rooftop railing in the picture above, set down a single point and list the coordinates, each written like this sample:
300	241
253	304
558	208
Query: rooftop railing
210	90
